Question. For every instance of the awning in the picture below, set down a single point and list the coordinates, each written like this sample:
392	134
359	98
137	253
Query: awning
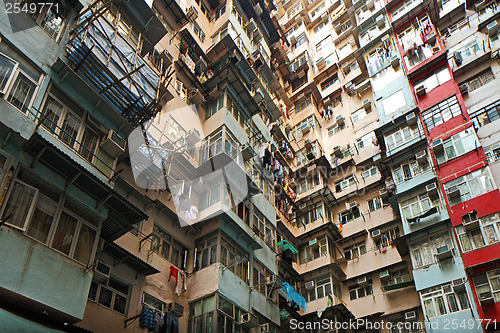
125	257
122	213
429	212
285	245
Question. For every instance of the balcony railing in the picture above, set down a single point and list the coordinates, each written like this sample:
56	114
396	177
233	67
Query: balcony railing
376	64
71	142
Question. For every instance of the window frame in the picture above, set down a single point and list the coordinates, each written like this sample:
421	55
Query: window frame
115	292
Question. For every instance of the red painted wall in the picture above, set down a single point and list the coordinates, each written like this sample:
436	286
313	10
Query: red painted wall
481	256
457	167
485	204
491	311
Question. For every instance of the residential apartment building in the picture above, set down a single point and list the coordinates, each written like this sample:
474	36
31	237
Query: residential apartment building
244	166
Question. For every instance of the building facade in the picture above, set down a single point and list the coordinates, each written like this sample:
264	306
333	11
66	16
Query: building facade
249	166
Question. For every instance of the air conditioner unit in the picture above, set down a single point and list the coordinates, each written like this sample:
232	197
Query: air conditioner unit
251	25
431	189
352	42
370	4
470	225
411	118
302	205
249	320
353	204
380	21
195	97
464	89
321	63
101	271
437	146
314	243
176	308
113	144
258	95
293	40
191	14
486	298
192	138
308	144
362	280
305	129
394	61
346	68
340	120
492	28
458	284
309	285
410	315
265	328
273	281
420	90
453	192
384	194
337	151
324	17
421	156
367	104
444	253
376	233
247	152
384	274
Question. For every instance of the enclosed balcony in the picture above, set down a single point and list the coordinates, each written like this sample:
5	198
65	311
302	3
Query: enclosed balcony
109	60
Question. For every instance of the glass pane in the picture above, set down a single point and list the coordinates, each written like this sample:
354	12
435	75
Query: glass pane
69	128
429	308
52	22
120	303
93	291
440	305
64	233
452	302
89	144
19	203
6	69
42	218
22	93
85	244
105	296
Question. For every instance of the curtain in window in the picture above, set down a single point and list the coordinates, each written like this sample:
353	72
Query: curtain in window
22	92
19	204
64	234
42	219
85	244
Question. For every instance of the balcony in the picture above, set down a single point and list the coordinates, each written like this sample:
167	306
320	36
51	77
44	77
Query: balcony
396	283
471	55
406	11
113	67
381	62
417	181
370	37
320	305
372	9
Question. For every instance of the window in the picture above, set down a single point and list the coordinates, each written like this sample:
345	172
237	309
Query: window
480	80
492	152
394	102
358	291
300	106
234	258
215	106
441	300
8	68
375	204
219	12
313	213
111	293
320	26
305	155
330	81
301	39
366	140
300	60
335	129
423	252
53	219
322	288
206	251
154	303
469	50
164	245
488	285
260	273
290	31
309	122
457	145
326	41
345	183
354	251
50	17
369	172
198	32
313	251
409	169
387	238
312	180
317	10
402	135
202	315
486	115
486	232
349	215
396	277
469	186
438	78
441	112
418	205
